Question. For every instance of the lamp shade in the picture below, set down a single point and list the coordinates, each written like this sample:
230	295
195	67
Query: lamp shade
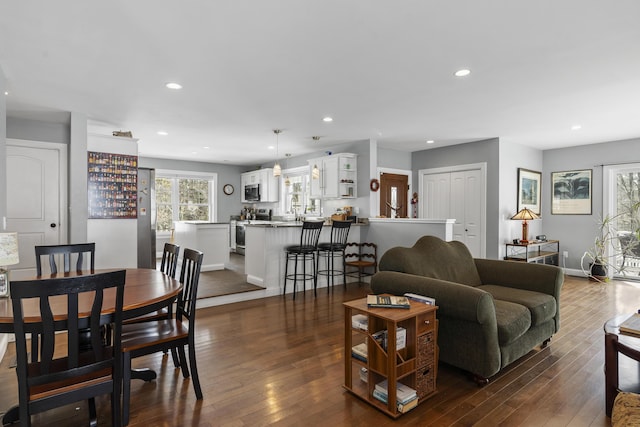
525	214
9	249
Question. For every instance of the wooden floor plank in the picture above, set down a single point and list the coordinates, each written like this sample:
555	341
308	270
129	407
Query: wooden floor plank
277	361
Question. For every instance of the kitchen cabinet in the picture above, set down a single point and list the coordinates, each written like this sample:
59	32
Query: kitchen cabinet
268	184
337	178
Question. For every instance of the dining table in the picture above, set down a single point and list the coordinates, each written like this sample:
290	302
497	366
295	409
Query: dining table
145	291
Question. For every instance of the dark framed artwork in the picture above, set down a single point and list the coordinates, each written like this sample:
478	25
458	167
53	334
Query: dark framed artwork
529	184
571	192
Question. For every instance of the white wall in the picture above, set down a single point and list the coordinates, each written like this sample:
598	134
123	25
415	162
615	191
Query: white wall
577	232
512	157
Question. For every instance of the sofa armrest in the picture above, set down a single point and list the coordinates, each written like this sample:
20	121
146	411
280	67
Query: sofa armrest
453	299
547	279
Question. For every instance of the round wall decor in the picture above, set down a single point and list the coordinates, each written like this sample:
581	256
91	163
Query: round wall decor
374	185
228	189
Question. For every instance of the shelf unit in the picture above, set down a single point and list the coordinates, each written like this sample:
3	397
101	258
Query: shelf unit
540	252
337	178
415	365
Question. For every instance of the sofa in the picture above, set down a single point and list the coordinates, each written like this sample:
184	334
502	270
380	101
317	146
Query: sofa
490	312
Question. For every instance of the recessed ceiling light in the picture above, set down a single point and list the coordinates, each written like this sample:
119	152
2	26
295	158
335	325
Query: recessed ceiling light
271	147
430	141
175	86
576	127
327	119
163	133
6	92
462	73
206	148
194	152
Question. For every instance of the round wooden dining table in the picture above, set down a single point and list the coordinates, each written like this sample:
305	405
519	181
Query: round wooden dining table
145	291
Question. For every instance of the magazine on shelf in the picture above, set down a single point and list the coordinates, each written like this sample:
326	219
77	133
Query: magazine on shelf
631	326
359	351
359	321
402	406
404	393
388	301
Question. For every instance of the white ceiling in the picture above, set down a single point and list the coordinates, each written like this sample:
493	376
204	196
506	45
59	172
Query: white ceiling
381	69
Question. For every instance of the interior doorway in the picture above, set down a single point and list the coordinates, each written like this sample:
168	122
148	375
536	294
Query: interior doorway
394	195
36	197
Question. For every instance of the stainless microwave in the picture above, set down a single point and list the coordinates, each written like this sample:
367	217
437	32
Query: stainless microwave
252	192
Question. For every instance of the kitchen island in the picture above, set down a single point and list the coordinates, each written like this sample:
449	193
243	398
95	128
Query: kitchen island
265	256
211	238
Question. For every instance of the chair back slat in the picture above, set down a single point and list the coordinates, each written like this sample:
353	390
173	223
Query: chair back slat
310	233
66	251
340	233
189	277
169	262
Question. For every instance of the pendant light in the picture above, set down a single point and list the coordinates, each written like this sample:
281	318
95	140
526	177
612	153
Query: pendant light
287	181
277	170
315	172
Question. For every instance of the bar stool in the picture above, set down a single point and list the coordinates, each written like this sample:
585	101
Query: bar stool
305	251
329	250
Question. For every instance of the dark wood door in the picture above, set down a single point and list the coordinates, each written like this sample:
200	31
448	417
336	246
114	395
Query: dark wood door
394	190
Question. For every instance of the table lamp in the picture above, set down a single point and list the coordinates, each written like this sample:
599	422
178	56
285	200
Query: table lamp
8	256
524	215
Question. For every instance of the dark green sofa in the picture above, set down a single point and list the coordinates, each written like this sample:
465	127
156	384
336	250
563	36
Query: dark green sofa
491	312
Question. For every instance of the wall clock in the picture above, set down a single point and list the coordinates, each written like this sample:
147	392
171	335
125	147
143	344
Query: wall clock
228	189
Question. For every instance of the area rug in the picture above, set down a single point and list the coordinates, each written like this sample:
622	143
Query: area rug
223	282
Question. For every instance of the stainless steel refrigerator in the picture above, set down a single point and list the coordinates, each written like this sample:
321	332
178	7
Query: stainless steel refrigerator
146	218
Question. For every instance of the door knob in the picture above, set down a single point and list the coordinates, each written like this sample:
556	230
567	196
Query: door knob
53	225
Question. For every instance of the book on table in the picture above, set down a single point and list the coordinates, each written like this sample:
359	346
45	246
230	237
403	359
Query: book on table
420	298
388	301
631	326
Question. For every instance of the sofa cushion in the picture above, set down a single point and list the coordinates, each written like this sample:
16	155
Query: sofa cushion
435	258
541	306
513	321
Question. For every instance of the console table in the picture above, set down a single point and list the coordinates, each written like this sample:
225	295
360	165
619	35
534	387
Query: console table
541	252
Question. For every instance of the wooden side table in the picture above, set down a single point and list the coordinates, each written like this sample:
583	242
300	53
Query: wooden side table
415	365
616	343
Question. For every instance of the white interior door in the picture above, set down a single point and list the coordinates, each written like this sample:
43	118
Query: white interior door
459	193
34	198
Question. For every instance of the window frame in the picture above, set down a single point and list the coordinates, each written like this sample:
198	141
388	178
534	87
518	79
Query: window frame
175	176
302	171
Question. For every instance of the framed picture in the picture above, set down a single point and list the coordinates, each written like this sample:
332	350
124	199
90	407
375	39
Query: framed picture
529	184
571	192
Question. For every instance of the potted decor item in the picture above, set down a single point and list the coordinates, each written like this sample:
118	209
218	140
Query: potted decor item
618	238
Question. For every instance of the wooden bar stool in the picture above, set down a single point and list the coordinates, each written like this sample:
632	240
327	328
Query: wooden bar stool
329	250
304	252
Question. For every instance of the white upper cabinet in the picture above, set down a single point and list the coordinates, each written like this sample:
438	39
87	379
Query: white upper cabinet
268	184
337	177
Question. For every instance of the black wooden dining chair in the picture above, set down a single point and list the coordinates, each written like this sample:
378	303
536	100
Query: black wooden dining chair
301	253
140	339
72	374
80	250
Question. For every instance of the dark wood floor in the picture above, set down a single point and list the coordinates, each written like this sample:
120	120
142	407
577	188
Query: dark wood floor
279	362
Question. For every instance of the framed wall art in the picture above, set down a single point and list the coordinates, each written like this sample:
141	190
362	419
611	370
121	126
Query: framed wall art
571	192
529	184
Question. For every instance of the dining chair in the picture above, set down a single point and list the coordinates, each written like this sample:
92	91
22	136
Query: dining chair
79	249
70	375
361	256
329	250
140	339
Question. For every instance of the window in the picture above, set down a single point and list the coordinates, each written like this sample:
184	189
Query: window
296	193
182	198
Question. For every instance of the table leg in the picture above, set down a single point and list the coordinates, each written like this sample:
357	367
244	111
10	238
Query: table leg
610	370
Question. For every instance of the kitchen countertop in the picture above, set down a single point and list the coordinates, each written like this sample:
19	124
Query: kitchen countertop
276	224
